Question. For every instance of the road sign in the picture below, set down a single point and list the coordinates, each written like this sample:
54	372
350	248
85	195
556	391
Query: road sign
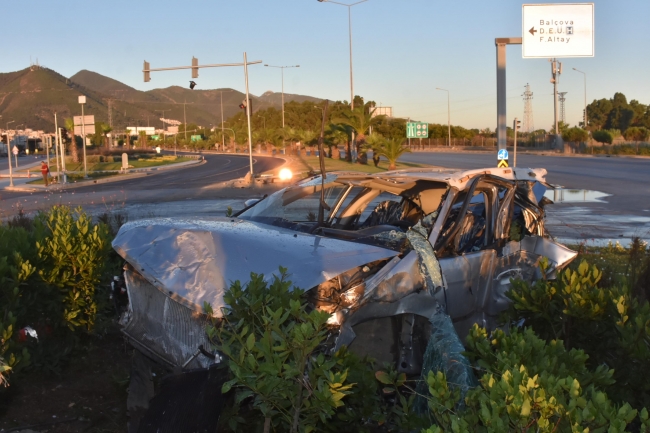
502	164
502	155
557	30
14	150
88	123
417	130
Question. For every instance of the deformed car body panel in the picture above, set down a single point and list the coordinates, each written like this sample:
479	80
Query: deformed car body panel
195	261
447	243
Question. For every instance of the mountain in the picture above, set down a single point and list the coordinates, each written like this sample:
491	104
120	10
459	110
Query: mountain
32	96
275	99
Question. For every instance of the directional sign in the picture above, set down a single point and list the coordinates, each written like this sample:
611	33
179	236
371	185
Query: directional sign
557	30
14	150
417	130
502	164
502	155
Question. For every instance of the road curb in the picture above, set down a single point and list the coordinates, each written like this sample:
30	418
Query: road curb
134	175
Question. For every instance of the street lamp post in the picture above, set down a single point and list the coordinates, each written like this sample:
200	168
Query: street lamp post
82	101
585	81
448	115
349	6
282	68
16	155
11	175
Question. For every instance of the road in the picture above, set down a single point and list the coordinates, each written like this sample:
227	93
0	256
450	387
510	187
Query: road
197	182
622	214
626	179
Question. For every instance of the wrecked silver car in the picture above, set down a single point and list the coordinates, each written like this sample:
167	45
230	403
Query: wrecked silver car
381	253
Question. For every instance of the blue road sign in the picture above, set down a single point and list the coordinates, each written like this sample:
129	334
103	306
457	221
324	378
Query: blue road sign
503	154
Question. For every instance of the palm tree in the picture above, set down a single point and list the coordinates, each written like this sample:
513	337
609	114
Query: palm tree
361	121
307	137
345	130
392	149
69	125
106	129
334	136
374	142
143	139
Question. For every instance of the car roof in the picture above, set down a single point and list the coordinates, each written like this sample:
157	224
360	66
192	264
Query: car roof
453	177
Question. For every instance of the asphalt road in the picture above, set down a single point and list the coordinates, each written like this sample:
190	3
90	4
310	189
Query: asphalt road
191	183
627	180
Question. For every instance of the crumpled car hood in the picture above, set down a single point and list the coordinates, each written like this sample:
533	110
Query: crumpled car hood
195	261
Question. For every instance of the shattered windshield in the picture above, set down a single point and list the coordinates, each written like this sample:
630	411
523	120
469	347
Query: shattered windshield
298	204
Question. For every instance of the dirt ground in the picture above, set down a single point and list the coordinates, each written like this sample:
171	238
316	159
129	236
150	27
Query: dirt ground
89	395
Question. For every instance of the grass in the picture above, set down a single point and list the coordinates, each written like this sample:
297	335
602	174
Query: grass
312	163
93	168
75	178
135	163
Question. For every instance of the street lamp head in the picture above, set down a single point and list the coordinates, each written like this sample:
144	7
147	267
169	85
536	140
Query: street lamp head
265	65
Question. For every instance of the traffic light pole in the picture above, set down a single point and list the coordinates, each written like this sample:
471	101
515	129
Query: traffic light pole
515	126
195	74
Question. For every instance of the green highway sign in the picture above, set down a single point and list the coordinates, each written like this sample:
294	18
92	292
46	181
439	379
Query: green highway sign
417	130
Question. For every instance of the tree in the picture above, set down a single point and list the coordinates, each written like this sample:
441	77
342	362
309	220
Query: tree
374	142
143	139
106	129
360	121
307	137
392	149
603	136
575	134
636	133
69	125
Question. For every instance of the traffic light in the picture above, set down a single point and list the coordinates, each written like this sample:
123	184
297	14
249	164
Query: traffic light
195	67
147	74
517	124
243	105
64	134
5	138
192	85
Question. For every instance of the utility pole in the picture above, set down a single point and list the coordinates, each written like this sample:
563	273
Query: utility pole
556	70
528	110
562	98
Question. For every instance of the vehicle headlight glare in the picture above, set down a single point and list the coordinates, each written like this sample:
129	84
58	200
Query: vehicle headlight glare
285	174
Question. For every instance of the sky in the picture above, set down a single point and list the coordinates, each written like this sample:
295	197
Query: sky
402	50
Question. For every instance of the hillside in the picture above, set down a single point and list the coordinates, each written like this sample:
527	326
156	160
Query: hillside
32	96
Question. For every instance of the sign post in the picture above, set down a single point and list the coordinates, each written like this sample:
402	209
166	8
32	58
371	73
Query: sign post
14	150
548	31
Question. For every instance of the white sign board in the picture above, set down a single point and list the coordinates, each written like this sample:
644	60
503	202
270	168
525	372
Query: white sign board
88	129
87	120
557	30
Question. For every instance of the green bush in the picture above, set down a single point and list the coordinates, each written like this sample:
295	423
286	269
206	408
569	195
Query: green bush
50	270
271	344
609	324
603	136
575	134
